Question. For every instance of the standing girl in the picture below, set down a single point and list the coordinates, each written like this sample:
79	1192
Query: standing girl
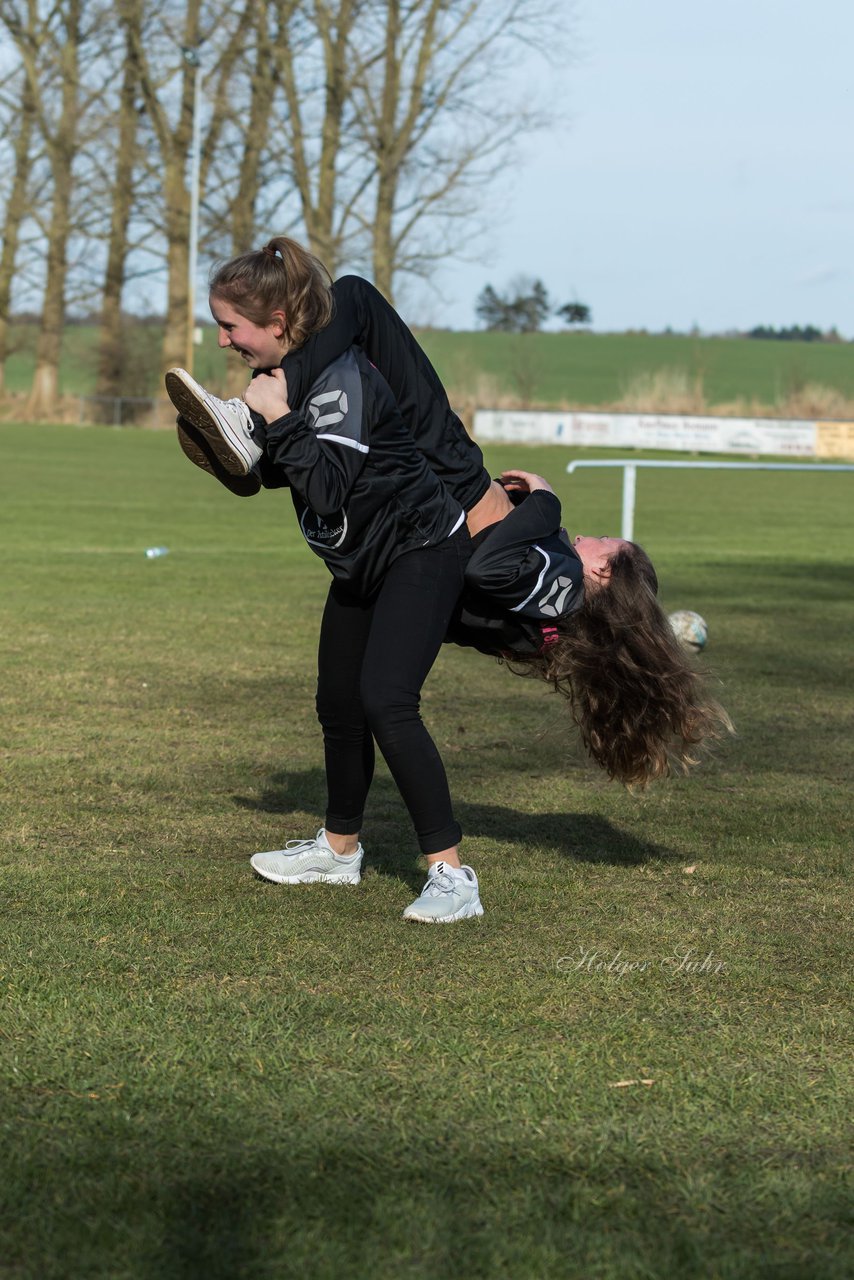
394	540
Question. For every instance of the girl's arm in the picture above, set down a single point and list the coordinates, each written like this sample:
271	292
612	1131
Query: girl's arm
321	447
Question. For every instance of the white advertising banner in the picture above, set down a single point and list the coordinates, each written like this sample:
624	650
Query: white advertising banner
754	436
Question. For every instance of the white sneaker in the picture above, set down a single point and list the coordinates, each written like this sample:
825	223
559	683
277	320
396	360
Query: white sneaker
307	861
450	894
225	424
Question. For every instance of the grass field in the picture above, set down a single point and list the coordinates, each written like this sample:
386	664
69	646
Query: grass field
208	1076
550	368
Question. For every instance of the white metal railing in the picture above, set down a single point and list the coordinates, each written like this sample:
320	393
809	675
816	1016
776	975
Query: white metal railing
630	468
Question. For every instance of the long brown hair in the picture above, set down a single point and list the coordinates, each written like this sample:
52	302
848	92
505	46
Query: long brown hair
640	705
280	276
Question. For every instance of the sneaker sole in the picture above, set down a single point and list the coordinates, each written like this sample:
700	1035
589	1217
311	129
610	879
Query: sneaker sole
309	877
469	912
186	395
195	445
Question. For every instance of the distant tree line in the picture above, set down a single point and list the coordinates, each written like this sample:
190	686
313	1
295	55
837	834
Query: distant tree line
370	129
524	307
794	333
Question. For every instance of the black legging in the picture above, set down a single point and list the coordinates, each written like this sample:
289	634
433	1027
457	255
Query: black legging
373	659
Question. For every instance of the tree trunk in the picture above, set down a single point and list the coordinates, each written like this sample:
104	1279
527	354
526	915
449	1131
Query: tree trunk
174	146
382	248
44	393
61	143
338	57
179	324
176	331
16	211
111	357
255	135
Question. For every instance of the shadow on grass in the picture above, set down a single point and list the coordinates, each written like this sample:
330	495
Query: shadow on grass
583	837
774	582
369	1212
358	1203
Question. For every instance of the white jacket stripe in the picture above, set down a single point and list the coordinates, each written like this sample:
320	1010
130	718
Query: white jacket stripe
351	444
539	582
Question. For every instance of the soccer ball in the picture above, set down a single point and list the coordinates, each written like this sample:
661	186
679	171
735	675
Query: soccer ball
690	629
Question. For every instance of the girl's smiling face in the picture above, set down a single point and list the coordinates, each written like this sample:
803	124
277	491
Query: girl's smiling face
259	346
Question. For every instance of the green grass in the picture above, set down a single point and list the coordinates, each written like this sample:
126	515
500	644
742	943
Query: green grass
585	369
208	1076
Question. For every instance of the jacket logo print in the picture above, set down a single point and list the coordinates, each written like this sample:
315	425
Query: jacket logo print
324	531
553	602
321	411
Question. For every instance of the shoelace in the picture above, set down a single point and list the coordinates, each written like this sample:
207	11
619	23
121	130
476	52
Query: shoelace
301	844
441	883
242	410
309	845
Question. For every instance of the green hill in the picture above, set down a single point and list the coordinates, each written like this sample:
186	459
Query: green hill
664	372
603	369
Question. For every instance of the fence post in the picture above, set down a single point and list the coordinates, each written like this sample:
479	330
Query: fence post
630	473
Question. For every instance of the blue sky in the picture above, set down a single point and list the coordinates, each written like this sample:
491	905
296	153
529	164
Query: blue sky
703	171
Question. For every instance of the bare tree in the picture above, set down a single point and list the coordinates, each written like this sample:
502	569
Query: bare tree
317	52
236	172
17	205
395	115
52	42
436	120
111	350
167	52
238	138
174	137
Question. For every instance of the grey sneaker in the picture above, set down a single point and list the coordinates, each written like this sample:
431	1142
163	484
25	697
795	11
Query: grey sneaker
225	424
450	894
198	449
307	861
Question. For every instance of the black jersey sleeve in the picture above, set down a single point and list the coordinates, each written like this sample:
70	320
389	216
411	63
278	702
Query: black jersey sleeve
364	318
526	565
349	326
322	446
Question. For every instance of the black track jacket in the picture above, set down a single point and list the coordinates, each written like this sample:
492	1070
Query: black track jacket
522	575
363	493
363	318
